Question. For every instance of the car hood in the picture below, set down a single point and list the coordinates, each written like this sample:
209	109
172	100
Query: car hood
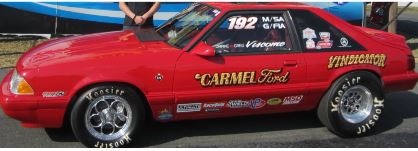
93	45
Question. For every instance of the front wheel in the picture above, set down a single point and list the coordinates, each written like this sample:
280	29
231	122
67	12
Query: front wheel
353	105
107	116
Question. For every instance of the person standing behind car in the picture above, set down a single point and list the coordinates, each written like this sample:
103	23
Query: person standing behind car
138	14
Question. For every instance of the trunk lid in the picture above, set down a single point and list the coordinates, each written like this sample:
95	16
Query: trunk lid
386	37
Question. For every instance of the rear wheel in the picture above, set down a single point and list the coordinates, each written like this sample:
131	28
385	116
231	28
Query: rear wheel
353	105
107	116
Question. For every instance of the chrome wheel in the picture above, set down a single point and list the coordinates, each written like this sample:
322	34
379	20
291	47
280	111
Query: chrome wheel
356	104
108	117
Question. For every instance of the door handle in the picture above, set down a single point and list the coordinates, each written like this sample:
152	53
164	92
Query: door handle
289	63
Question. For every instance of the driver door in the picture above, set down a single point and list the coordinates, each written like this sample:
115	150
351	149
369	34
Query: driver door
257	69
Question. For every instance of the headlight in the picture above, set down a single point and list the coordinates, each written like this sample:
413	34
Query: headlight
19	86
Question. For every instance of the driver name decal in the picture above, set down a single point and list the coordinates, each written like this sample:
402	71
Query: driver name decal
266	76
347	60
257	44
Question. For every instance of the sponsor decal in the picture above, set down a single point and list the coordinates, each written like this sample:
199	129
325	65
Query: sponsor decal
239	45
238	104
344	42
242	22
53	94
267	76
326	36
219	46
347	60
256	103
310	44
308	33
213	107
323	44
165	114
289	100
325	41
274	101
252	104
189	107
159	77
125	140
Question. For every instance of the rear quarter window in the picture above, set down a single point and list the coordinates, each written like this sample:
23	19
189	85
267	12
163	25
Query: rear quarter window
316	34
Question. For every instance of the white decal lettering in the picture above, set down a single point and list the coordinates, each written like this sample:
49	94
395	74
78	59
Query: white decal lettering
241	22
256	44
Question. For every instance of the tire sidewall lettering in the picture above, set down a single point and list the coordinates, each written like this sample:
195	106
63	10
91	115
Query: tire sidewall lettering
98	92
116	144
105	91
364	126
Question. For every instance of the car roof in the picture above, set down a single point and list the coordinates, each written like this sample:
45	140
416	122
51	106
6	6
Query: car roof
257	5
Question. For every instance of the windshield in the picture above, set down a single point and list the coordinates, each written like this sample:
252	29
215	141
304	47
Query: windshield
182	28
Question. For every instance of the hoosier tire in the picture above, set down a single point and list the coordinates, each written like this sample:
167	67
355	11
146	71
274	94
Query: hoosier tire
353	105
107	116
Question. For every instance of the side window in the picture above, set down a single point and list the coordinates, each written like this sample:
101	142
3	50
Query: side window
251	33
316	34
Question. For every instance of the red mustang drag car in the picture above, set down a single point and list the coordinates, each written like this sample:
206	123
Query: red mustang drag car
211	60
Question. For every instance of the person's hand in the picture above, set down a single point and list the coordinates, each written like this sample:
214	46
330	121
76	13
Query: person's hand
144	18
139	20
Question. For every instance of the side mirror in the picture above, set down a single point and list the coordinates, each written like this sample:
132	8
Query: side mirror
203	49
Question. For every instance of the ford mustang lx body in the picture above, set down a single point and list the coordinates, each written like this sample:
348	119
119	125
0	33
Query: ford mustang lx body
211	60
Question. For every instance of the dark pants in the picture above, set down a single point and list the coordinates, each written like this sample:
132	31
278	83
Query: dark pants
130	27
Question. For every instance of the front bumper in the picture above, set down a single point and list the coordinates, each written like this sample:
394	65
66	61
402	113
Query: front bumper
33	111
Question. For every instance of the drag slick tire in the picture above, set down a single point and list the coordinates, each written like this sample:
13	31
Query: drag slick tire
353	105
107	116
